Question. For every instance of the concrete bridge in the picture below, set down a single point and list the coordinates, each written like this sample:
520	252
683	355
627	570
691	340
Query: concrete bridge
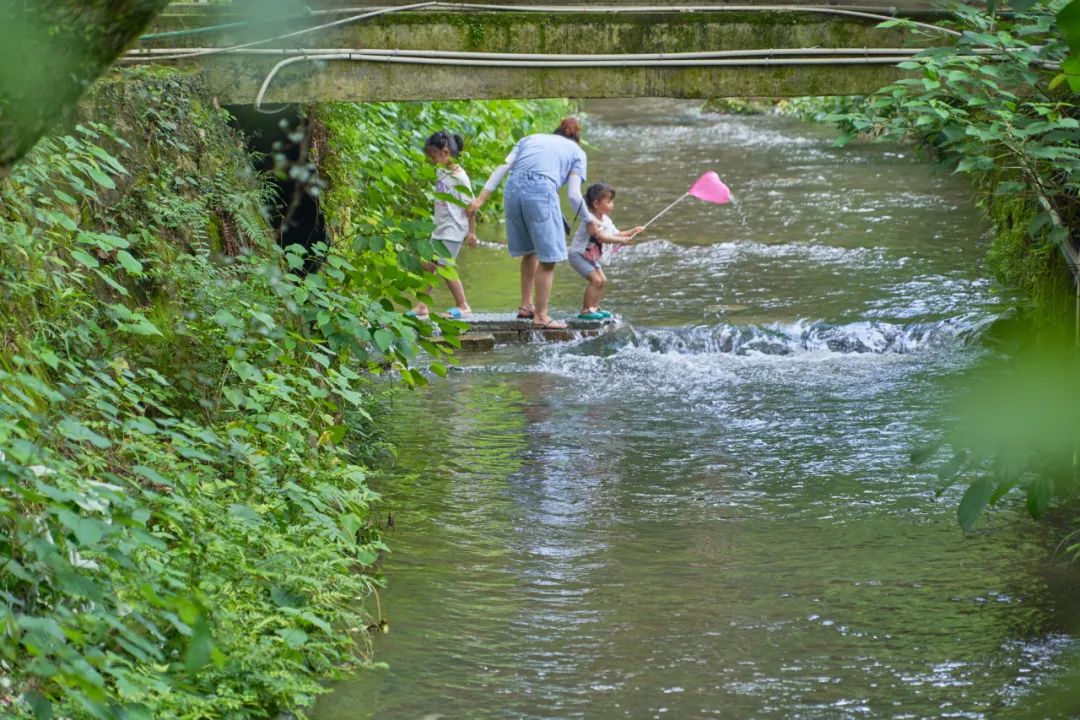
345	50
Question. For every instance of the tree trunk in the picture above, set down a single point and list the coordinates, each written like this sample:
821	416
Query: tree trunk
50	53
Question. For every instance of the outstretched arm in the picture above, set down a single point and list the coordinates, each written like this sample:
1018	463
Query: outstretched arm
623	237
470	237
493	183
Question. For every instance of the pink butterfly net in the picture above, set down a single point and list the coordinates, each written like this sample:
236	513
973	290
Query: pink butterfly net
710	188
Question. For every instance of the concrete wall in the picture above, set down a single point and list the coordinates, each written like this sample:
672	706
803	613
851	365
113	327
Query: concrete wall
237	78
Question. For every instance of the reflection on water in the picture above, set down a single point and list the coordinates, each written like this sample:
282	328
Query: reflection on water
711	512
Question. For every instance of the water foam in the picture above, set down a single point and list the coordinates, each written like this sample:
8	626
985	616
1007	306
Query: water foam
801	337
726	253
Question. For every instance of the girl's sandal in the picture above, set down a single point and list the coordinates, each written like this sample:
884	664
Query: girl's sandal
525	314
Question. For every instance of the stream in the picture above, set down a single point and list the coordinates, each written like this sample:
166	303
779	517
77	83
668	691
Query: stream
711	512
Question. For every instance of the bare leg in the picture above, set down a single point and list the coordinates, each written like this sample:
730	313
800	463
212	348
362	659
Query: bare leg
545	275
421	308
594	291
458	291
528	279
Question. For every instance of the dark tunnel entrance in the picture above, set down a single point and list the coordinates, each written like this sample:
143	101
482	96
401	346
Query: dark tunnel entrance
283	145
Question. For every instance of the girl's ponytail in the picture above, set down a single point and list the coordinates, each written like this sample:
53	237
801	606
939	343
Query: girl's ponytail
443	140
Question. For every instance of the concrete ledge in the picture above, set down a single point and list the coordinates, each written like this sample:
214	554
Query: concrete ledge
237	82
236	78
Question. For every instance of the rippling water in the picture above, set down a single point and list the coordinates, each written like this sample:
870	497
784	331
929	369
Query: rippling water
710	513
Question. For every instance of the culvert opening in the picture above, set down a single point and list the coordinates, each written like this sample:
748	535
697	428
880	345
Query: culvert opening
283	147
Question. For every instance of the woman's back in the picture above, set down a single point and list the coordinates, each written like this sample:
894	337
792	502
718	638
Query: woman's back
552	156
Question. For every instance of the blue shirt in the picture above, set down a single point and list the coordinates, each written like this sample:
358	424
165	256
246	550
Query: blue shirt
552	156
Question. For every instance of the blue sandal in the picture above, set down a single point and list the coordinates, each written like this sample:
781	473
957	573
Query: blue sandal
592	316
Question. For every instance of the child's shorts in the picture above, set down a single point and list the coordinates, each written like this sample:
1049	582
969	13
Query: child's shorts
453	247
584	267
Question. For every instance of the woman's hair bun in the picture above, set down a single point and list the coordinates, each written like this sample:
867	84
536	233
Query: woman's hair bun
570	128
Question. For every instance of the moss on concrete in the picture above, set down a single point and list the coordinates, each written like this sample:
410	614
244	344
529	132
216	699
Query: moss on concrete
554	33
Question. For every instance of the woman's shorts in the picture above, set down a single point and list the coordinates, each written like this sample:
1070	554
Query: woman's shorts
534	222
584	267
453	247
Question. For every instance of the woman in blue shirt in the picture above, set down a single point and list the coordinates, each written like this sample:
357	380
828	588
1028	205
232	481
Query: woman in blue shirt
541	165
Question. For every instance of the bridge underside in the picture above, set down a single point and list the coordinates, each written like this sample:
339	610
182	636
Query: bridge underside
237	78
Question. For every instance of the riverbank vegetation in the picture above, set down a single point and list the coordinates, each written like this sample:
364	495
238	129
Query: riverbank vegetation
997	104
185	427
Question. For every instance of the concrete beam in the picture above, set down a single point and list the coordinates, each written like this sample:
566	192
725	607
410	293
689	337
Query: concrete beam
236	78
237	82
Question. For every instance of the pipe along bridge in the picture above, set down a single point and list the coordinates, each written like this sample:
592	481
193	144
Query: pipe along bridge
344	50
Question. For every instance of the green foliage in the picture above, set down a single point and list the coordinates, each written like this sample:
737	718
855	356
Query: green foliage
739	106
376	164
184	516
1068	22
50	53
993	106
1015	429
1031	264
185	522
820	109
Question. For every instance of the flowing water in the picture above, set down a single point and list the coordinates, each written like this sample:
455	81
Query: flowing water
711	512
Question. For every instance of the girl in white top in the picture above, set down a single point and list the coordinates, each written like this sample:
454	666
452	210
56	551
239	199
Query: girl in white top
587	249
452	225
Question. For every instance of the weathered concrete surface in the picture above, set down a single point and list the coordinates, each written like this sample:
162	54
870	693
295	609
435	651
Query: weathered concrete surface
238	82
477	341
237	77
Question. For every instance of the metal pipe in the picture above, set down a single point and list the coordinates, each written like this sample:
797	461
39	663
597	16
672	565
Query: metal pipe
151	53
856	59
893	10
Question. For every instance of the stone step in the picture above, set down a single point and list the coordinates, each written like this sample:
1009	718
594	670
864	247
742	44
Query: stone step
477	341
489	329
